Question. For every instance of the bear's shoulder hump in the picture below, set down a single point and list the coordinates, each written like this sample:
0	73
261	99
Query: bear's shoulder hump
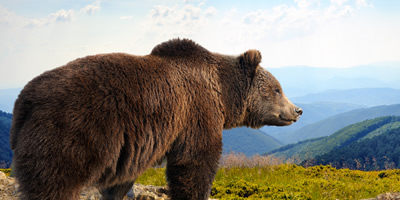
179	48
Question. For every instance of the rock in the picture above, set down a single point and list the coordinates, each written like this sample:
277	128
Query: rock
2	175
90	193
9	187
386	196
143	192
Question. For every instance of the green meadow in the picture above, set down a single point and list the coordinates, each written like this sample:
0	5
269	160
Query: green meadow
254	179
290	181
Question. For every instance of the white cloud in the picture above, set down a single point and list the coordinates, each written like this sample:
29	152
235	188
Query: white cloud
210	11
199	2
10	19
284	21
281	23
125	17
363	3
59	16
338	2
305	4
306	32
62	16
91	8
187	15
346	11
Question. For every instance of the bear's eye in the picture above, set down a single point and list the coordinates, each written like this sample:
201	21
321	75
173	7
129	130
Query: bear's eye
277	91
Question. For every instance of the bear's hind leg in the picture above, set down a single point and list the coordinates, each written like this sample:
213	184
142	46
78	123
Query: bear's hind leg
40	192
116	192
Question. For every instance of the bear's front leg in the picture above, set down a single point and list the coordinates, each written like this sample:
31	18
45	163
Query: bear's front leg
116	192
191	169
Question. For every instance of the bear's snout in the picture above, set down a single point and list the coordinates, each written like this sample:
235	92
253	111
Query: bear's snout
299	111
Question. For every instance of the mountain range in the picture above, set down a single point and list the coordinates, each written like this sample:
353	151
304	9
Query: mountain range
331	148
359	96
7	99
298	81
370	153
335	116
248	141
334	123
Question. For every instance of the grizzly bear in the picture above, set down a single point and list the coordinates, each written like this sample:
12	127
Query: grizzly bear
102	120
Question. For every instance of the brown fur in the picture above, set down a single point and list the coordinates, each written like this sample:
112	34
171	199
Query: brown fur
102	120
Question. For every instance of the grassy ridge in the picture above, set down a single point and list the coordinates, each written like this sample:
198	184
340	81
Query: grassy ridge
289	181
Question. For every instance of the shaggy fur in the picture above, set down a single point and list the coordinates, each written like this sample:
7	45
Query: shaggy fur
102	120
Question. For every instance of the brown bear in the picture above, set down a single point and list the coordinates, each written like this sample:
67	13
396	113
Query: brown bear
102	120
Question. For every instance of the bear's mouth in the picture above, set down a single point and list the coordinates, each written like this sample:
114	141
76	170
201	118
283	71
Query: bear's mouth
283	118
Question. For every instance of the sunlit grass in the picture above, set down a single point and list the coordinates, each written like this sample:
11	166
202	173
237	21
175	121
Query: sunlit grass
7	172
290	181
275	180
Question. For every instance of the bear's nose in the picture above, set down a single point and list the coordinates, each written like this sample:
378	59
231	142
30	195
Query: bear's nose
299	111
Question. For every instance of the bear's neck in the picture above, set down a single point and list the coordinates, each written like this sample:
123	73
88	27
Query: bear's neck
234	91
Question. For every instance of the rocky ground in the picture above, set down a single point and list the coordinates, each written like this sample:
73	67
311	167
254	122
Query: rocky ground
8	191
8	188
142	192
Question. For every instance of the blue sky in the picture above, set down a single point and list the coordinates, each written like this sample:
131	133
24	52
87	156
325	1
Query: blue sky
40	35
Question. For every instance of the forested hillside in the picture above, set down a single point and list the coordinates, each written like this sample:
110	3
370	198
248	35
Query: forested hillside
377	153
5	150
358	132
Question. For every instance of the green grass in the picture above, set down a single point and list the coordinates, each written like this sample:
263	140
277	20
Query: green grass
6	171
289	181
153	176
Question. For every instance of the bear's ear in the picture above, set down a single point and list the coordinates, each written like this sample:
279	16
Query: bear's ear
249	60
251	57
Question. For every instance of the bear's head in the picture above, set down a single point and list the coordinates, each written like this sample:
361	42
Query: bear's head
266	103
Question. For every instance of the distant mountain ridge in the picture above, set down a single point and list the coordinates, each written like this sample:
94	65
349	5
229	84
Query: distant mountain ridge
360	96
349	135
334	123
302	80
7	99
248	141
